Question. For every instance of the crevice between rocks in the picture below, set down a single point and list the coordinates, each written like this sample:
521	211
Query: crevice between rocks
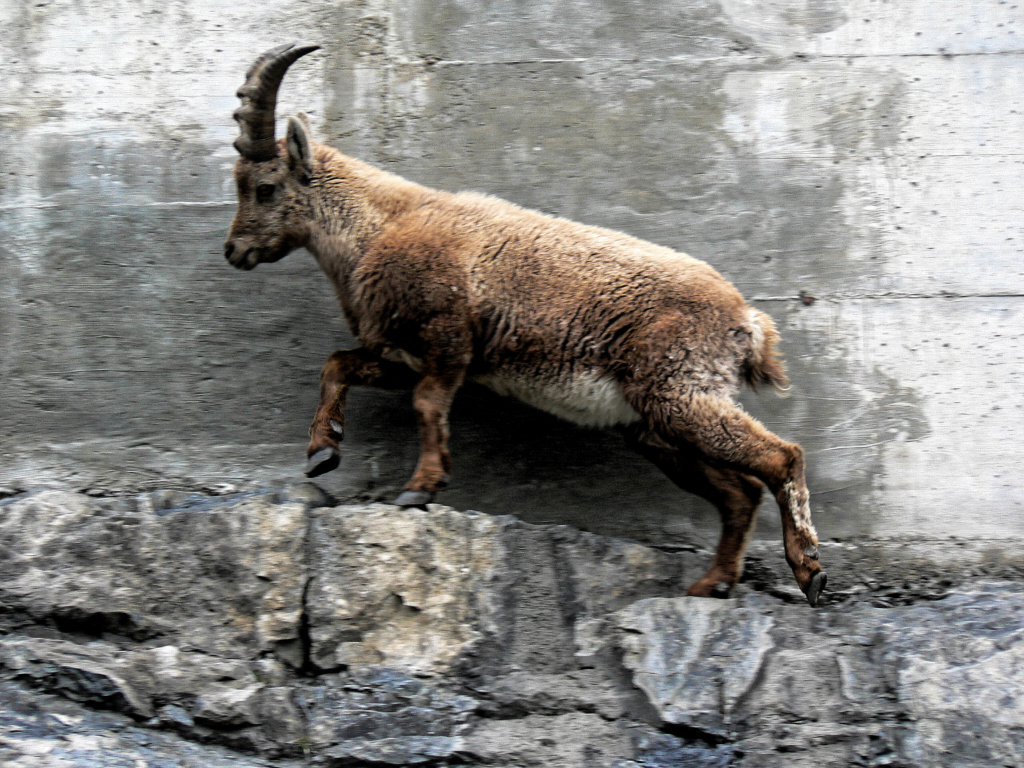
309	668
692	733
101	624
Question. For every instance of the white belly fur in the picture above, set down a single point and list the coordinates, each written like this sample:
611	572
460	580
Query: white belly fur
588	399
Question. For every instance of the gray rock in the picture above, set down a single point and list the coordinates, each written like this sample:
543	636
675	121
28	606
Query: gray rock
434	591
221	693
694	657
38	730
520	693
170	715
404	589
907	685
310	494
228	707
176	674
366	634
162	500
381	704
270	671
655	749
283	723
225	576
576	740
81	673
957	668
409	750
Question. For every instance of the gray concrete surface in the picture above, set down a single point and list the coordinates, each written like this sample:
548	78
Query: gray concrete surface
865	154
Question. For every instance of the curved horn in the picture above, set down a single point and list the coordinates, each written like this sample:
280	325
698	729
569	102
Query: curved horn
259	97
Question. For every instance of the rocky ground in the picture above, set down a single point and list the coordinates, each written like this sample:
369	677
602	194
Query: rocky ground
276	629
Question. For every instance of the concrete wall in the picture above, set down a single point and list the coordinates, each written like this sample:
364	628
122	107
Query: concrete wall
866	154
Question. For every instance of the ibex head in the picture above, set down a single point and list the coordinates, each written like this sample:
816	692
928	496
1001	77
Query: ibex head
273	185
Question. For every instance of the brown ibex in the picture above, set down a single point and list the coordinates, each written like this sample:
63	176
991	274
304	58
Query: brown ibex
592	325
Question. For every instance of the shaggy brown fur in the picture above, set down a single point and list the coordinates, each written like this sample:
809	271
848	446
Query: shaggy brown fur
592	325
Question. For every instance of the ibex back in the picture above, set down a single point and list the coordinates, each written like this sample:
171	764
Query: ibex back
592	325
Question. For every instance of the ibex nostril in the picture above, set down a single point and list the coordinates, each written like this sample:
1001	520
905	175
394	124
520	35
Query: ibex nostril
229	248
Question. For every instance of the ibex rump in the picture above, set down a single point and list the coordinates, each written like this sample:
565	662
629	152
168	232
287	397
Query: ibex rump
592	325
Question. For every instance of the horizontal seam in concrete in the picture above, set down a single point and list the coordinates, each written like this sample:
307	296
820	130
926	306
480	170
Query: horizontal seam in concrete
747	54
187	203
894	296
517	62
168	204
857	447
939	55
914	154
697	57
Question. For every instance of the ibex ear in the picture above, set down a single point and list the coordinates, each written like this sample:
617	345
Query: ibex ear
300	150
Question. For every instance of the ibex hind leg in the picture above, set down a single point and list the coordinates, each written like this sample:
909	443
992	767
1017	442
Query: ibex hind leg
356	367
726	436
448	350
432	399
735	495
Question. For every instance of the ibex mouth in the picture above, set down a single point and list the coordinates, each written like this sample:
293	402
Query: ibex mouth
245	260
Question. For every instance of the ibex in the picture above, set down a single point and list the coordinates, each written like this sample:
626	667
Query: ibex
589	324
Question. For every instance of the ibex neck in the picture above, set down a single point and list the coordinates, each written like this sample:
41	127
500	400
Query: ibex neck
352	203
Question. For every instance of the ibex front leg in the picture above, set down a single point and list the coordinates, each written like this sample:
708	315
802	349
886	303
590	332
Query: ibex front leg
341	371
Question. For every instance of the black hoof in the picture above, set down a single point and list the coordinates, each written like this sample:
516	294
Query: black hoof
414	499
816	587
721	590
322	461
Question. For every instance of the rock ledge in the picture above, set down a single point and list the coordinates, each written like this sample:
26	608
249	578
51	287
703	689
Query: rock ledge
276	629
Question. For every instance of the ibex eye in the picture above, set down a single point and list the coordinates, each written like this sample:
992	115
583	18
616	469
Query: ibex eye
264	192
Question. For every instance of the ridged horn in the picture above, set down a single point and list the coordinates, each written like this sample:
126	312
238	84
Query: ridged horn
259	98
